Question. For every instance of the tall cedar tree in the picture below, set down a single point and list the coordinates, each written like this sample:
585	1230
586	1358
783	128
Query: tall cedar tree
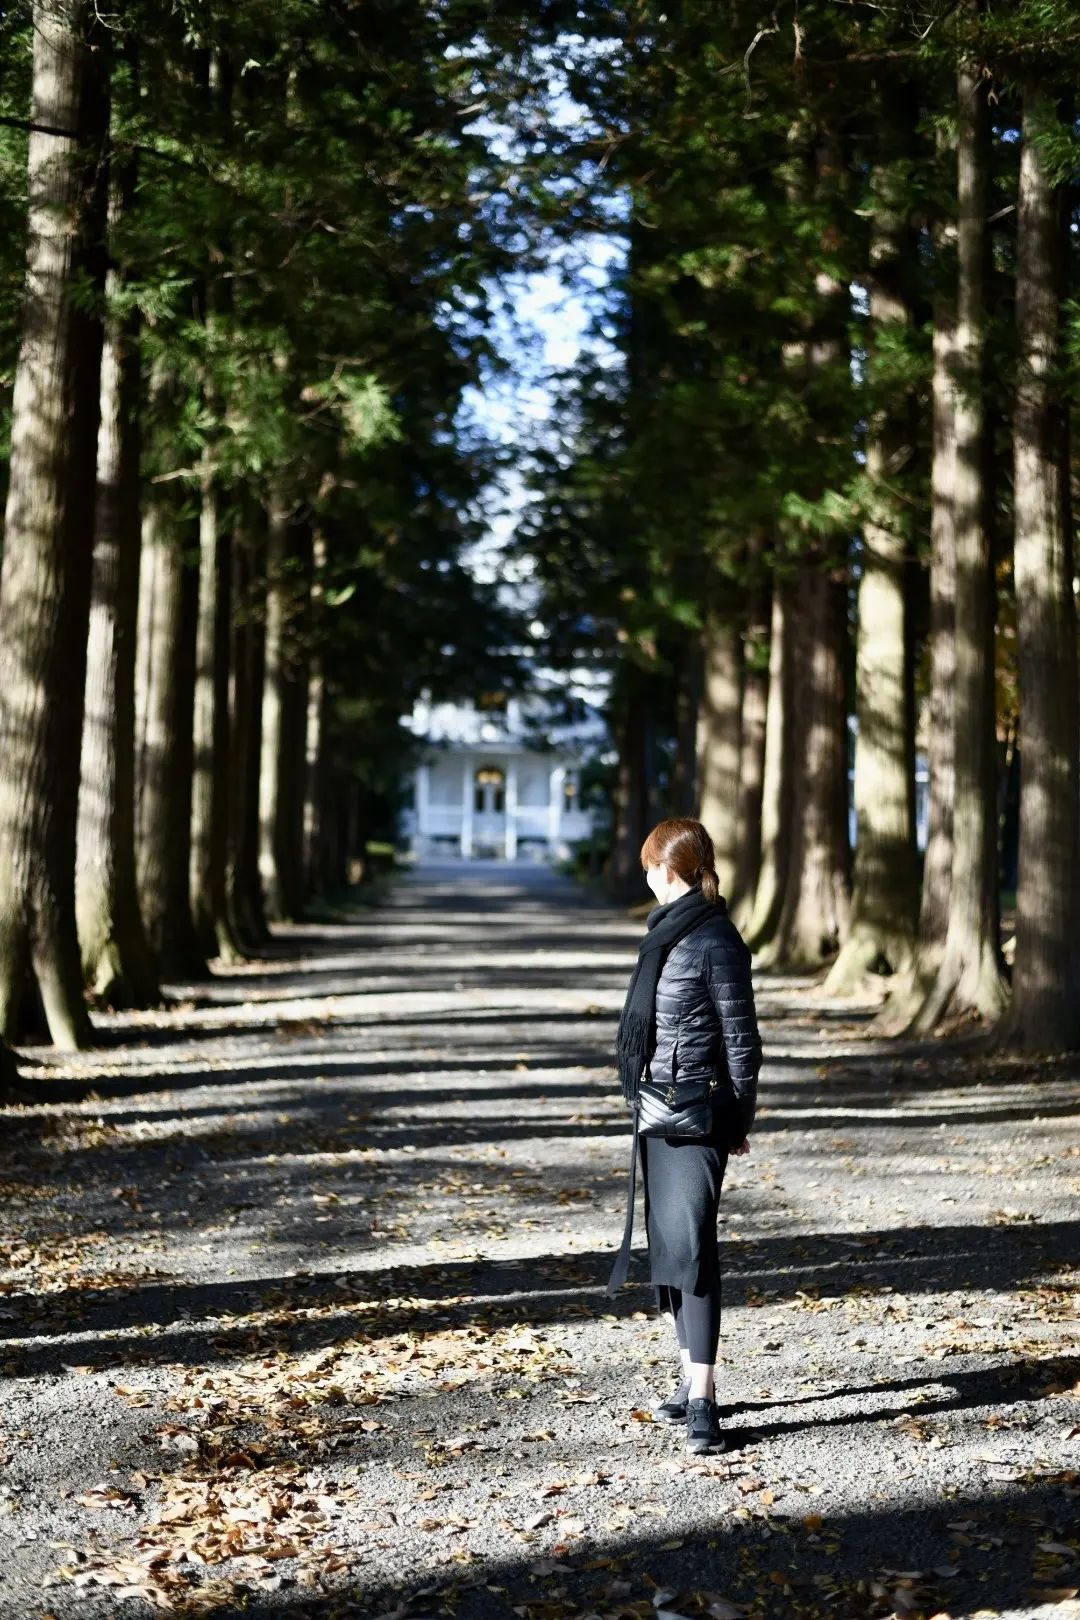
882	931
1046	983
969	977
45	578
116	957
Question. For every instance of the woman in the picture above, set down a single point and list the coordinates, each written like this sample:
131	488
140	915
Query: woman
689	1053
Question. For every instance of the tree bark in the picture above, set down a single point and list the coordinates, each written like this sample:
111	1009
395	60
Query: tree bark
969	979
116	957
284	726
937	861
1045	1015
815	911
777	784
631	808
314	785
245	889
211	783
689	683
906	998
755	688
882	930
816	907
273	678
168	608
45	577
719	742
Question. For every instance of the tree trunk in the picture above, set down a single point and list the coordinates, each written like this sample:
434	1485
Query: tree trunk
168	610
245	889
969	978
45	577
270	782
719	742
116	957
211	822
816	902
283	757
755	687
1045	1015
776	793
629	828
816	907
211	784
882	931
937	861
905	999
685	781
313	738
293	767
313	777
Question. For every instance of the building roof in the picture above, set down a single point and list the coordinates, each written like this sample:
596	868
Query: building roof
530	724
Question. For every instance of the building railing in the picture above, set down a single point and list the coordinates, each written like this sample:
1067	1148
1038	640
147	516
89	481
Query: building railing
444	821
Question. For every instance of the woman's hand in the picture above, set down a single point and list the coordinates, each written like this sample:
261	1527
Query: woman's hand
743	1148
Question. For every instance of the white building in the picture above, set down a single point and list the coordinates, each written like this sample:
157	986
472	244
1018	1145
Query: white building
485	786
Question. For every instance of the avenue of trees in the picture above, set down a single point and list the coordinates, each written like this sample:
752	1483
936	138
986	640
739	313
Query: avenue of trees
244	276
813	503
819	472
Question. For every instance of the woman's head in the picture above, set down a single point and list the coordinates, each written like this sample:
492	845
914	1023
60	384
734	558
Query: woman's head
679	852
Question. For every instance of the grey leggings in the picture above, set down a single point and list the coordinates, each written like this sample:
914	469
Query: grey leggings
697	1320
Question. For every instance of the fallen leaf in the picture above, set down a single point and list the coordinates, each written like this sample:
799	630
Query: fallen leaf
106	1496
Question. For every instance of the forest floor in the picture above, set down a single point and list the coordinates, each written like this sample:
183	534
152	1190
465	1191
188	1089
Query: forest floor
302	1307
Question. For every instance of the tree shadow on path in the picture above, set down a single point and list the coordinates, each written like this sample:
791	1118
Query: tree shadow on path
905	1260
893	1558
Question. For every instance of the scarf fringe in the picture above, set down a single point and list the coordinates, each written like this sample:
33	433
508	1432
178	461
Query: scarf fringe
632	1052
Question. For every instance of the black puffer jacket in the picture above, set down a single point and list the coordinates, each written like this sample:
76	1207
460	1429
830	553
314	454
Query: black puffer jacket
706	1022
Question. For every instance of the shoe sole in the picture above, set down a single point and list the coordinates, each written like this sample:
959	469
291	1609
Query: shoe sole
670	1417
710	1448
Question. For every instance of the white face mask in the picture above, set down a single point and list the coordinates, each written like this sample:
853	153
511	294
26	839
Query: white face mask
665	884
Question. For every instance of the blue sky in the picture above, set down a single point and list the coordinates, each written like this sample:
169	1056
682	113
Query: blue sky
543	325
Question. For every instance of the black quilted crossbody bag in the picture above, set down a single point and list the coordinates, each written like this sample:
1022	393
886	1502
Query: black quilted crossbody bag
682	1109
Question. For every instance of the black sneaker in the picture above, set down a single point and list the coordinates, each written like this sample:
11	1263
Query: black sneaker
703	1432
673	1410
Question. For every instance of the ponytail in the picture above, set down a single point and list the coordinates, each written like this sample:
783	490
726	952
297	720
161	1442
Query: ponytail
684	846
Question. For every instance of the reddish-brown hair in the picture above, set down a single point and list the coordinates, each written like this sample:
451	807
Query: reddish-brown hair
686	848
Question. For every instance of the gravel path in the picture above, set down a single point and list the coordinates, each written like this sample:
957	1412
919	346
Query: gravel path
302	1304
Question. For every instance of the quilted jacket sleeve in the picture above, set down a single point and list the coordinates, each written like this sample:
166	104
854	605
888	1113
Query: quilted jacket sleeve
727	972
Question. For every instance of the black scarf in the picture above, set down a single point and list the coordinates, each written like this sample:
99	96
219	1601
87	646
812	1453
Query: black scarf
636	1038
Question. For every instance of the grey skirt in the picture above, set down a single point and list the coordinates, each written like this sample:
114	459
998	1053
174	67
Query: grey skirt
683	1177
